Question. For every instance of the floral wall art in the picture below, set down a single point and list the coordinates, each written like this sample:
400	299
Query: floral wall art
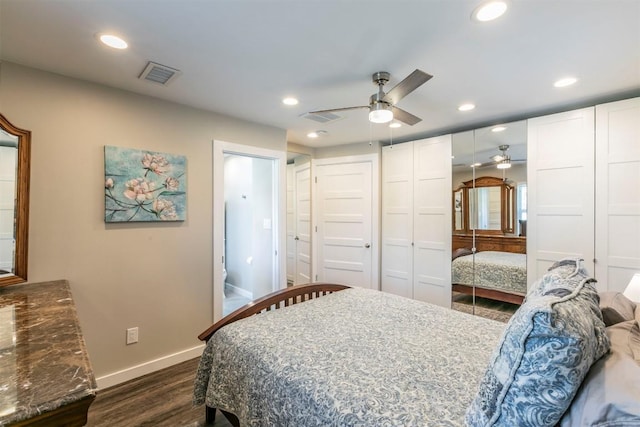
144	185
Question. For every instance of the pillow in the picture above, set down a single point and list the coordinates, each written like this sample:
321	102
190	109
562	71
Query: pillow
610	393
616	308
545	352
460	252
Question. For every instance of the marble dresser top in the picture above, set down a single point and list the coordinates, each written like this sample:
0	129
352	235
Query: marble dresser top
43	359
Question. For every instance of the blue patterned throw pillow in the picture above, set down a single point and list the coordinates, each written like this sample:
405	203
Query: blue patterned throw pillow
545	352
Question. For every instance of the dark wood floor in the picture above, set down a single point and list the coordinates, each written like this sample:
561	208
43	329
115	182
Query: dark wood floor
163	398
160	399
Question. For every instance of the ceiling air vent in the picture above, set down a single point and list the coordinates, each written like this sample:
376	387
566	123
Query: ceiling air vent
159	73
324	117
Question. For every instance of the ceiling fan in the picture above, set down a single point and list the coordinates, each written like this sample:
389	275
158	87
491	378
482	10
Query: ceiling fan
382	106
502	160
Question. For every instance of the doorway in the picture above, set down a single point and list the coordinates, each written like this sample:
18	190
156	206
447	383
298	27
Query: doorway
248	225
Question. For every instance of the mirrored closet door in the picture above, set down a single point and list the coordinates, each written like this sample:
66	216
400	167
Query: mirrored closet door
489	213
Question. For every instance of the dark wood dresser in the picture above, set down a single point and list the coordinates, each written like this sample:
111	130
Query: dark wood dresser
484	242
45	375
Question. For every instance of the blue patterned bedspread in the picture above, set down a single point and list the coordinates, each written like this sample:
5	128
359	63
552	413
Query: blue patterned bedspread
503	271
357	357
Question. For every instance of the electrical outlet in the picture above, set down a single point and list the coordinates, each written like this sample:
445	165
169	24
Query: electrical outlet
132	335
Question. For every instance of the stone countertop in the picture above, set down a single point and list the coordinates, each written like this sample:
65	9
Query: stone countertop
43	359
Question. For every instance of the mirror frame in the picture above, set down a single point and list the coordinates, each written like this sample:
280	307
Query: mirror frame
22	203
507	203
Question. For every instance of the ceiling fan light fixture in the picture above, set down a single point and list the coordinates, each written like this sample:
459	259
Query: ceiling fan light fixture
380	113
505	163
395	125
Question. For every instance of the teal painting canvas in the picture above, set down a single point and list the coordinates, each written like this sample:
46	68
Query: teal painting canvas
143	186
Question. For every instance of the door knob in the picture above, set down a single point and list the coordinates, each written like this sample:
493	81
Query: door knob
296	238
366	245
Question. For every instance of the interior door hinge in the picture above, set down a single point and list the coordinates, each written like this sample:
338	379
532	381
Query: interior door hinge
223	259
316	179
316	228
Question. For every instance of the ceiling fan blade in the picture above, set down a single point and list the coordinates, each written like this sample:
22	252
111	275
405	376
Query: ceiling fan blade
406	86
332	110
404	117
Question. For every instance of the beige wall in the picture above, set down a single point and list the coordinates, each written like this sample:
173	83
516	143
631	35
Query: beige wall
154	276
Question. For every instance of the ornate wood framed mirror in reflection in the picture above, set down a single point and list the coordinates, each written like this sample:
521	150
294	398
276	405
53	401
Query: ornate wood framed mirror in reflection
15	149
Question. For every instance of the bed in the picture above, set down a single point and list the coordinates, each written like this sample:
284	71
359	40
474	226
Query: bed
358	357
498	275
349	364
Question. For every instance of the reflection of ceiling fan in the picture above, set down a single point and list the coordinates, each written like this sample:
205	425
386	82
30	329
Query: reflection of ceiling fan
382	108
501	161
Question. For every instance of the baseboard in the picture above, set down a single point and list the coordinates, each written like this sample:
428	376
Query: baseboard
125	375
236	290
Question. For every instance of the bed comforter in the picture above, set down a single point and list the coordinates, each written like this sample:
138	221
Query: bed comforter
503	271
353	358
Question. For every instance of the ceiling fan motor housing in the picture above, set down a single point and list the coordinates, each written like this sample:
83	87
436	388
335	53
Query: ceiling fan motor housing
380	78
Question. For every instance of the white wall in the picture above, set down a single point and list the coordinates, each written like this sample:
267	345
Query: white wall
154	276
249	202
238	197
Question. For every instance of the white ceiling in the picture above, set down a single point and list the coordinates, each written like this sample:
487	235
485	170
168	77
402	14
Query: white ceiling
241	57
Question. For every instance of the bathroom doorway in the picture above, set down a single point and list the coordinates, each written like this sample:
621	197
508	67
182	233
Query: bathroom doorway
248	224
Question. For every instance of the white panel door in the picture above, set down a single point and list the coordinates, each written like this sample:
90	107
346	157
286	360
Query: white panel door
432	220
303	224
560	178
345	226
617	193
397	220
291	224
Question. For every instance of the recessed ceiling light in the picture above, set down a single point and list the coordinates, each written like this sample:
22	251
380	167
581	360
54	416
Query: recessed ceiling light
395	125
499	129
313	134
290	101
466	107
475	165
488	11
113	41
564	82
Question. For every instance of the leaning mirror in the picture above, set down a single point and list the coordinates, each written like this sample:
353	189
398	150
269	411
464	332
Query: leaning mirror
15	145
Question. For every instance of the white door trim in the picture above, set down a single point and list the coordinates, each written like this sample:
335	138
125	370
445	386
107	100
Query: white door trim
220	148
374	159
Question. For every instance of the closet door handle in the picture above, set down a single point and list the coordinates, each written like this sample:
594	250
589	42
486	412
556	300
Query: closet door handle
366	245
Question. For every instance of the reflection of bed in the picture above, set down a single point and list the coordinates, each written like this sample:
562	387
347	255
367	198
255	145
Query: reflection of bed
355	357
498	275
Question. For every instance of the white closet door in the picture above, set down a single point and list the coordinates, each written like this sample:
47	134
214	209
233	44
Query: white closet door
397	220
560	178
617	193
432	220
291	225
303	223
346	241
